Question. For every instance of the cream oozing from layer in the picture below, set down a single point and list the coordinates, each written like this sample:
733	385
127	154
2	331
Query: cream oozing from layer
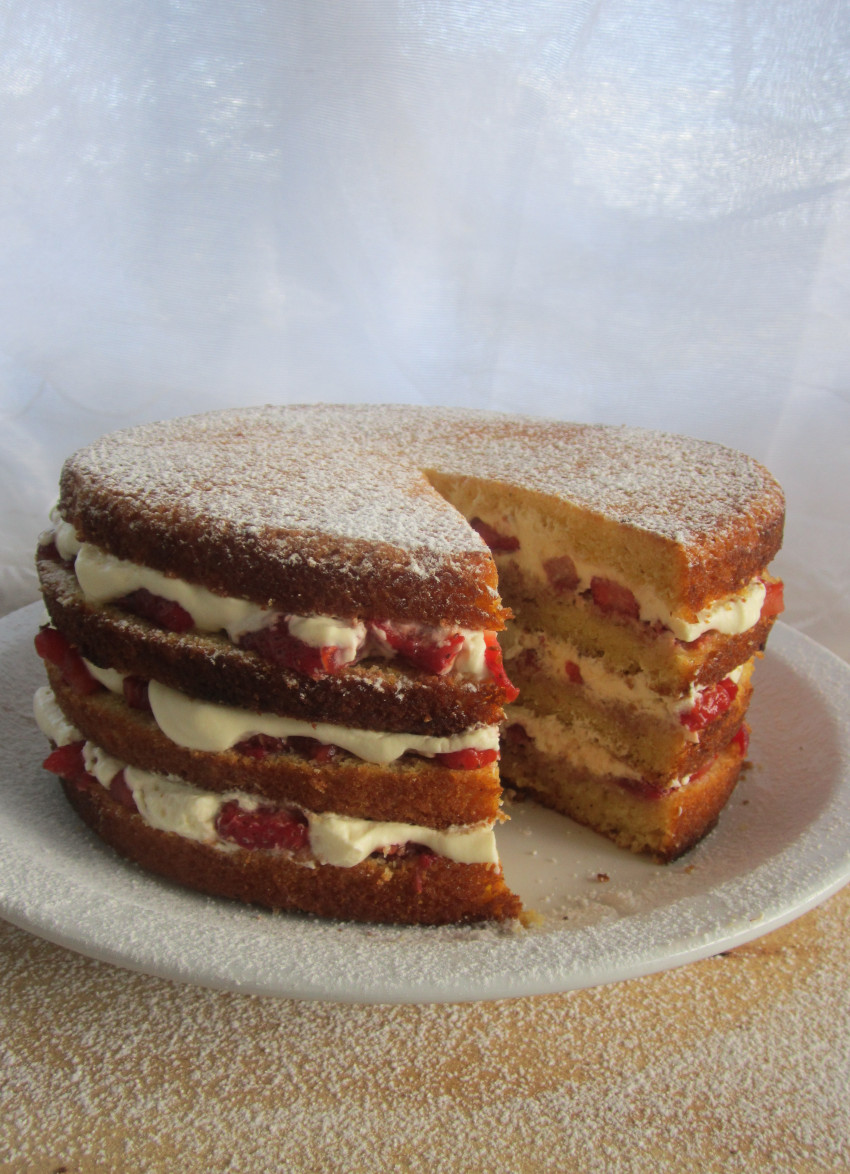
205	725
606	684
541	542
170	805
104	578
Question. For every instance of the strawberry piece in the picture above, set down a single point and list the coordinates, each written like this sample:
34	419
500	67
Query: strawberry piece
517	735
711	704
421	647
493	661
278	645
136	693
265	828
561	573
614	597
165	613
68	763
52	646
313	749
502	543
468	759
573	672
424	859
120	791
742	740
260	746
774	600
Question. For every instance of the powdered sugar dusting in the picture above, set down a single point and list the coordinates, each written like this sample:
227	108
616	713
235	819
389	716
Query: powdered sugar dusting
739	1063
354	471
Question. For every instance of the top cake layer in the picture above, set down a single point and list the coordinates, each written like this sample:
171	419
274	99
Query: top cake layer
345	510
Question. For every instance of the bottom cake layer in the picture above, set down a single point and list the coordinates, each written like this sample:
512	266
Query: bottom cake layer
662	824
422	888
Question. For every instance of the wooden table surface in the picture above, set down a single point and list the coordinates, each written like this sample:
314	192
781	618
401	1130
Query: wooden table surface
740	1062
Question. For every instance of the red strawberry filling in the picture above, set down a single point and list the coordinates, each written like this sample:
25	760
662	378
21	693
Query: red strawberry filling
614	597
277	645
711	704
468	759
421	647
573	672
52	646
498	542
742	740
493	661
163	612
774	599
136	693
264	828
68	762
561	573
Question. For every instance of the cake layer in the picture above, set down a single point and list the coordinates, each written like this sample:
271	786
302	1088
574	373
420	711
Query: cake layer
376	695
332	508
660	823
413	889
659	748
629	646
410	789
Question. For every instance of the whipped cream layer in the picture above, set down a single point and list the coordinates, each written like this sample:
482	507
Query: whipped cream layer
540	543
205	725
104	578
170	805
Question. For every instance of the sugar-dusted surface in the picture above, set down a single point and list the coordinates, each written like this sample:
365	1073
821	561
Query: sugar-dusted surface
347	485
740	1062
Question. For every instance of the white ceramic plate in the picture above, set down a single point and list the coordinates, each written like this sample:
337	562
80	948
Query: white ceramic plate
782	846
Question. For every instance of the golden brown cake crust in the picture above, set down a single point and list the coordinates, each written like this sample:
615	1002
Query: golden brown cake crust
399	891
329	507
414	790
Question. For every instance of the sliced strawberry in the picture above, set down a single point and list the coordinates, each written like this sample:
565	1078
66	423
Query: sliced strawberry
561	573
265	828
424	859
742	740
774	599
516	734
260	746
136	693
165	613
313	749
501	543
68	763
711	704
614	597
493	661
424	648
469	759
279	646
573	672
121	793
53	647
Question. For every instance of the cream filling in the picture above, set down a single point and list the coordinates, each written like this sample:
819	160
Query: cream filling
541	541
103	578
575	743
598	679
575	746
170	805
205	725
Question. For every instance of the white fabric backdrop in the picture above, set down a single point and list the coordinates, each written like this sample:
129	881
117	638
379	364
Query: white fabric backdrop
602	210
